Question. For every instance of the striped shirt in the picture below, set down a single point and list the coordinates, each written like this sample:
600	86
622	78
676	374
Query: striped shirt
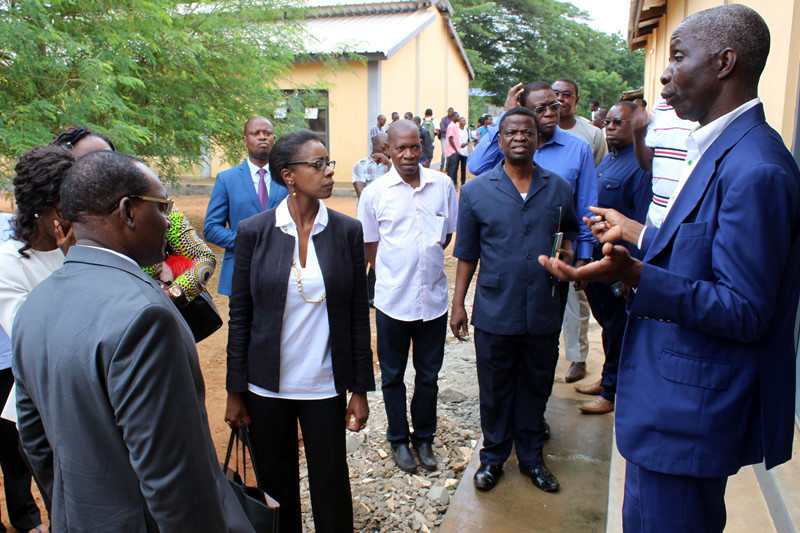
410	225
666	134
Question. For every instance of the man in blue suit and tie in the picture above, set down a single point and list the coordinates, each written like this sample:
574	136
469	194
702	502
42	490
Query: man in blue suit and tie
707	371
507	217
242	192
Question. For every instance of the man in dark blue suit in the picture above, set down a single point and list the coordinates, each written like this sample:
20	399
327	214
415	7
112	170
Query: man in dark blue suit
624	186
707	372
507	217
242	192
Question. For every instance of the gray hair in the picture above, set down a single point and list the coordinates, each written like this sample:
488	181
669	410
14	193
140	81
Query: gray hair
738	27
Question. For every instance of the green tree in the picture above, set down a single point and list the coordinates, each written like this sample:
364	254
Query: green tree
163	80
512	41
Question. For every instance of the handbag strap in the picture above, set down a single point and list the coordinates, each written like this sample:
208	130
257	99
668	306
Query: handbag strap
244	437
234	437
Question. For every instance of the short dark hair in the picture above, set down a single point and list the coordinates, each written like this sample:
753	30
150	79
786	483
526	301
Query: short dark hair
738	27
571	82
595	102
251	119
417	120
286	149
481	121
519	110
72	135
625	103
429	112
37	184
97	180
532	88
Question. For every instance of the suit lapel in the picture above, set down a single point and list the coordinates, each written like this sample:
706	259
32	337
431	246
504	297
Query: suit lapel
695	188
247	182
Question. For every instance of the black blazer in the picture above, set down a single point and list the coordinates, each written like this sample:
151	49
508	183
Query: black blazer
258	297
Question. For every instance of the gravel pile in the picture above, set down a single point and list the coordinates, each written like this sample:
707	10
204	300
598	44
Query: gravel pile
384	497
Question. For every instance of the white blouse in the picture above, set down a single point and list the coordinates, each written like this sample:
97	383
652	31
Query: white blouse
306	369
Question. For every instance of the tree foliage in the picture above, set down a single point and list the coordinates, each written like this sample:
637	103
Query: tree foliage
512	41
163	80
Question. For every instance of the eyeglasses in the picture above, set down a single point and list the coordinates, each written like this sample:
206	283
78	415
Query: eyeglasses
565	94
319	164
555	106
510	134
617	121
165	207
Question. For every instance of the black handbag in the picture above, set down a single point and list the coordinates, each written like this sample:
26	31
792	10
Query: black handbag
262	510
202	316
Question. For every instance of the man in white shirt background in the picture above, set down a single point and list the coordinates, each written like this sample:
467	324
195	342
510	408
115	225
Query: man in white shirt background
409	216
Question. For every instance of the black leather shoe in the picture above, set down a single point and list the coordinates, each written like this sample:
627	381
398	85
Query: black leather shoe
546	429
487	476
426	456
541	477
402	456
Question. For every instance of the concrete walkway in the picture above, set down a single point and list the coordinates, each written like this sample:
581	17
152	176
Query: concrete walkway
578	453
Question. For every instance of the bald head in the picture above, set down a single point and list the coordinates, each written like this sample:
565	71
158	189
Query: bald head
402	127
379	143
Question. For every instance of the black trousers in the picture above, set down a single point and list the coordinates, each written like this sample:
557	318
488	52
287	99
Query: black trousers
453	162
22	511
610	313
275	446
515	376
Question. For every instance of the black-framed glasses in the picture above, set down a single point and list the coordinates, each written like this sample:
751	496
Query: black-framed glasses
165	207
319	164
566	94
617	121
555	106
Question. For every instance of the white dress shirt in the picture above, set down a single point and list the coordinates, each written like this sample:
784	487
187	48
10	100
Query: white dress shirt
306	367
255	177
696	145
410	226
700	139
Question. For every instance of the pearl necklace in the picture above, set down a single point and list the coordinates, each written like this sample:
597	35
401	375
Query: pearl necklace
296	270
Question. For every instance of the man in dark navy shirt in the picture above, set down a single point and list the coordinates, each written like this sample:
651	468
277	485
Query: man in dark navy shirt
624	186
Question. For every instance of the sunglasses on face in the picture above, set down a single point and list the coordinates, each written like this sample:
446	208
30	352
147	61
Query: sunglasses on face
165	207
555	106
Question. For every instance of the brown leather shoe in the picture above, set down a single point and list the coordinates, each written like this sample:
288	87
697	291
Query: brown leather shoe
598	406
594	389
575	372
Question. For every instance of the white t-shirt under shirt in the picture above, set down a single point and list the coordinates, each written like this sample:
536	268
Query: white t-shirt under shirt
306	368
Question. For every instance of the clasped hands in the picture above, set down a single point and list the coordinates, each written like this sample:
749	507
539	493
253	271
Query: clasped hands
608	227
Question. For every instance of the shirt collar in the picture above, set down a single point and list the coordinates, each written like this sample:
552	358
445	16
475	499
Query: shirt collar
393	177
705	136
283	218
109	250
254	169
557	138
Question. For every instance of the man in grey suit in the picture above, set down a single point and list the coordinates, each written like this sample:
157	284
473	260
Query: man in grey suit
110	397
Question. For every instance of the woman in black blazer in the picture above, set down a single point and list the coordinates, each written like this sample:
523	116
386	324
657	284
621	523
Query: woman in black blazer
298	336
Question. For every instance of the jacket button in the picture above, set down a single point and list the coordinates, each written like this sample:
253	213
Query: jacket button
524	207
527	232
530	282
528	256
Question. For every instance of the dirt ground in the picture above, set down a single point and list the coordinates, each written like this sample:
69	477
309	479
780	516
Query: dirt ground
212	350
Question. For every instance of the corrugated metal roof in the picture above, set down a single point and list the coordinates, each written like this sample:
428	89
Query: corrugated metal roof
366	34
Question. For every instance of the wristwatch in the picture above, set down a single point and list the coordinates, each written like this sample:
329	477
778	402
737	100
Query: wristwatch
176	291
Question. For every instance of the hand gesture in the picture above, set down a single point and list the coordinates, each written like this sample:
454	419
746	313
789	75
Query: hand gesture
617	264
459	324
512	99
